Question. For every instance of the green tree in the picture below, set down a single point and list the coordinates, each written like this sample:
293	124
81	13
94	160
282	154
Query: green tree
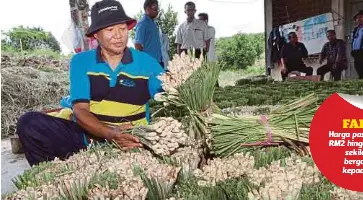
138	16
29	39
259	40
240	50
167	20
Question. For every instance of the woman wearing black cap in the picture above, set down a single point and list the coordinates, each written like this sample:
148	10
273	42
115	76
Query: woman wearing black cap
357	44
109	89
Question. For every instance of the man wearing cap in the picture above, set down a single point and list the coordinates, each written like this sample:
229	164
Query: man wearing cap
192	34
147	37
109	90
357	44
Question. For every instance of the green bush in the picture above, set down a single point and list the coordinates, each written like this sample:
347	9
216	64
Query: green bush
28	39
240	50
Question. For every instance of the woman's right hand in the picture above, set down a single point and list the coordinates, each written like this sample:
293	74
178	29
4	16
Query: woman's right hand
124	140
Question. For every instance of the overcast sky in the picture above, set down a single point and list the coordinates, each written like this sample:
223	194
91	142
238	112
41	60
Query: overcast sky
227	16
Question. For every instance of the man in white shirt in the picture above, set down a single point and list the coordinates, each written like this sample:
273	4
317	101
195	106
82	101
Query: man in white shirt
192	35
211	55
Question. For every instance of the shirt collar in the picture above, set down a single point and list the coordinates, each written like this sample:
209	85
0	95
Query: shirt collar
333	41
147	17
126	59
191	21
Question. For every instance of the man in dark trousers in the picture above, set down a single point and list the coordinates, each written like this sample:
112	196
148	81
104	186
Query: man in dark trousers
109	90
357	44
292	55
147	36
192	35
335	54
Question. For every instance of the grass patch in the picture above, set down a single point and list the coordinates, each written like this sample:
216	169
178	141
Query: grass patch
229	77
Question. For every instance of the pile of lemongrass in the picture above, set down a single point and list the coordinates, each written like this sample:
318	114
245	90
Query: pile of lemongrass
197	96
192	92
288	124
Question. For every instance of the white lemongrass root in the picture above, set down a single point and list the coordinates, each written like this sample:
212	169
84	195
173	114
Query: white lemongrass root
222	169
188	157
164	136
88	166
295	169
180	69
283	182
343	194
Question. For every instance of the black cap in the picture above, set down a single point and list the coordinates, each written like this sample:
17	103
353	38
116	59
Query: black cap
106	13
357	14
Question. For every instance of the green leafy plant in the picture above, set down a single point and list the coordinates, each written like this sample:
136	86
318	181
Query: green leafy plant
240	50
28	39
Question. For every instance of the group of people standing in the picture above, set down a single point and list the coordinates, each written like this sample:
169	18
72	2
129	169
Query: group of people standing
293	53
192	35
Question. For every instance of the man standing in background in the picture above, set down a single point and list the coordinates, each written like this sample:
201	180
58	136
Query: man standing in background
147	36
211	55
357	44
192	34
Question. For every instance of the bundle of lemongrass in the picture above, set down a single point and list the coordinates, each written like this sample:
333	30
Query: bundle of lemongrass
288	124
163	137
189	85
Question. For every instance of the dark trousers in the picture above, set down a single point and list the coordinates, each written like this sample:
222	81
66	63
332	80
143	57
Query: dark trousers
198	53
358	65
336	73
307	70
46	137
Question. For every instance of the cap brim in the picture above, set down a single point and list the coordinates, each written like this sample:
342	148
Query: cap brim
131	23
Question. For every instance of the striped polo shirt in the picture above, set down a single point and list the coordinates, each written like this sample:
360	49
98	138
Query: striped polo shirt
115	96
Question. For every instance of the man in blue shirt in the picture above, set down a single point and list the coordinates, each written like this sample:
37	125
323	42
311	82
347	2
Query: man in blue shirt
109	90
357	44
147	37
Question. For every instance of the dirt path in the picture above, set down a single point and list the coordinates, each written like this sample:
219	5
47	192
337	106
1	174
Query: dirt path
11	166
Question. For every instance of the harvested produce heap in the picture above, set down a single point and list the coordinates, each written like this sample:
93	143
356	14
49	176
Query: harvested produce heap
189	86
287	124
194	153
163	137
30	83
